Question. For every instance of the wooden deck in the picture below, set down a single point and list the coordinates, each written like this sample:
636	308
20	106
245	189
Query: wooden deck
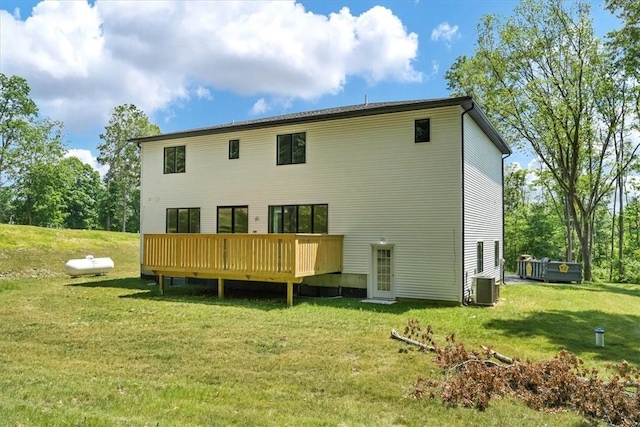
286	258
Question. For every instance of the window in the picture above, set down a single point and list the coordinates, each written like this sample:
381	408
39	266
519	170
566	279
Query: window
233	219
292	148
234	148
480	257
496	253
423	130
174	159
299	219
183	220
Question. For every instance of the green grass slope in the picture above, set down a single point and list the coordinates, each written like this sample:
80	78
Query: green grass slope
109	351
36	252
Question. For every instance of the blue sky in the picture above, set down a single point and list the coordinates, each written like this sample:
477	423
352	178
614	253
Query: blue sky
201	63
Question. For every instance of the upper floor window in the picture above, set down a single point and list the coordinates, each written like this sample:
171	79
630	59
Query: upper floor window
174	159
233	219
422	130
234	148
183	220
299	219
292	148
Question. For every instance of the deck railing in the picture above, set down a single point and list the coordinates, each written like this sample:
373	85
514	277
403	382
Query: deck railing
265	257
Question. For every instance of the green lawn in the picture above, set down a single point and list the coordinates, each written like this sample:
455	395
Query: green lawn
101	351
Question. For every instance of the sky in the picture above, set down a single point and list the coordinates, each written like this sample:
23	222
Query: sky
191	64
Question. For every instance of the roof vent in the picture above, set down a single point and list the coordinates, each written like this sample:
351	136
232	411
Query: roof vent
366	99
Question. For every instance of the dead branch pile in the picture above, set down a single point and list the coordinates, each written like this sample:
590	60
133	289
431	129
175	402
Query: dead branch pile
473	378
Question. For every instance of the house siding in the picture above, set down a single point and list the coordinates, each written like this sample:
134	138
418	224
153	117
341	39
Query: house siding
377	182
482	201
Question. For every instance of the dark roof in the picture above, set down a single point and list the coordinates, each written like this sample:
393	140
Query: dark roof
359	110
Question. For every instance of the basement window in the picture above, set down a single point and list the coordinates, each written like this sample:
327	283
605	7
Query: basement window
174	159
183	220
422	130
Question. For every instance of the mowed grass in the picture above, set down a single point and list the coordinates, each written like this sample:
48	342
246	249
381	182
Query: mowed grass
102	351
33	252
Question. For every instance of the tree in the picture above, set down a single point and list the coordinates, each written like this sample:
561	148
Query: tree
37	179
542	77
82	194
123	158
16	109
516	198
626	40
625	46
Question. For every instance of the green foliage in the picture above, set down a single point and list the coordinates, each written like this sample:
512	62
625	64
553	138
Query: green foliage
539	74
16	110
123	158
82	194
532	224
38	181
626	40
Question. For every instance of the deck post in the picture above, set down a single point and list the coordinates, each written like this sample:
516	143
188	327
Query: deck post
220	287
289	293
161	284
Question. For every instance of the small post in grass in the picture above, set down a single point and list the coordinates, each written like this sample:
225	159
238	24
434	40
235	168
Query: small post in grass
220	287
599	337
289	293
161	284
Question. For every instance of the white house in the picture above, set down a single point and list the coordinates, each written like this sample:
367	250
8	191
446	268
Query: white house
415	188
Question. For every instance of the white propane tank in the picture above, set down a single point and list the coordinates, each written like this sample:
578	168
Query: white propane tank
88	265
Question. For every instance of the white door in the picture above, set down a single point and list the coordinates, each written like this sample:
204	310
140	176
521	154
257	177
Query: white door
383	272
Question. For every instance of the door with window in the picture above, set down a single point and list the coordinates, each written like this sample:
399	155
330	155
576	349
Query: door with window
383	274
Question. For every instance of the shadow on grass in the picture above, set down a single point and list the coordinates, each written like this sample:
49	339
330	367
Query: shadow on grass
622	289
266	300
263	300
575	332
126	283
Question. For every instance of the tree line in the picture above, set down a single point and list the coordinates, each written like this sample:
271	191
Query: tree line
572	99
40	186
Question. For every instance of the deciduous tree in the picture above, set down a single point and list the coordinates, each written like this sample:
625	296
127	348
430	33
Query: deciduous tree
542	76
16	109
36	176
123	158
82	193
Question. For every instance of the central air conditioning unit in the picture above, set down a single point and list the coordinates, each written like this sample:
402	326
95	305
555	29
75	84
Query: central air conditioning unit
486	291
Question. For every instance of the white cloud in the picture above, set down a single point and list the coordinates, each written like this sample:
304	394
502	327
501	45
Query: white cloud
261	106
534	164
87	157
445	32
533	168
81	60
203	93
435	68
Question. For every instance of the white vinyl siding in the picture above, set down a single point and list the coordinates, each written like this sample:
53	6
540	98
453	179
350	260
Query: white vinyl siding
482	200
377	182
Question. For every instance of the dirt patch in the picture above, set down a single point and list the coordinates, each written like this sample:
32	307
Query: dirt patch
512	279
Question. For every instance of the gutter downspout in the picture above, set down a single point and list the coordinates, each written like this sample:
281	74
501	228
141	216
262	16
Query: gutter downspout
463	276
